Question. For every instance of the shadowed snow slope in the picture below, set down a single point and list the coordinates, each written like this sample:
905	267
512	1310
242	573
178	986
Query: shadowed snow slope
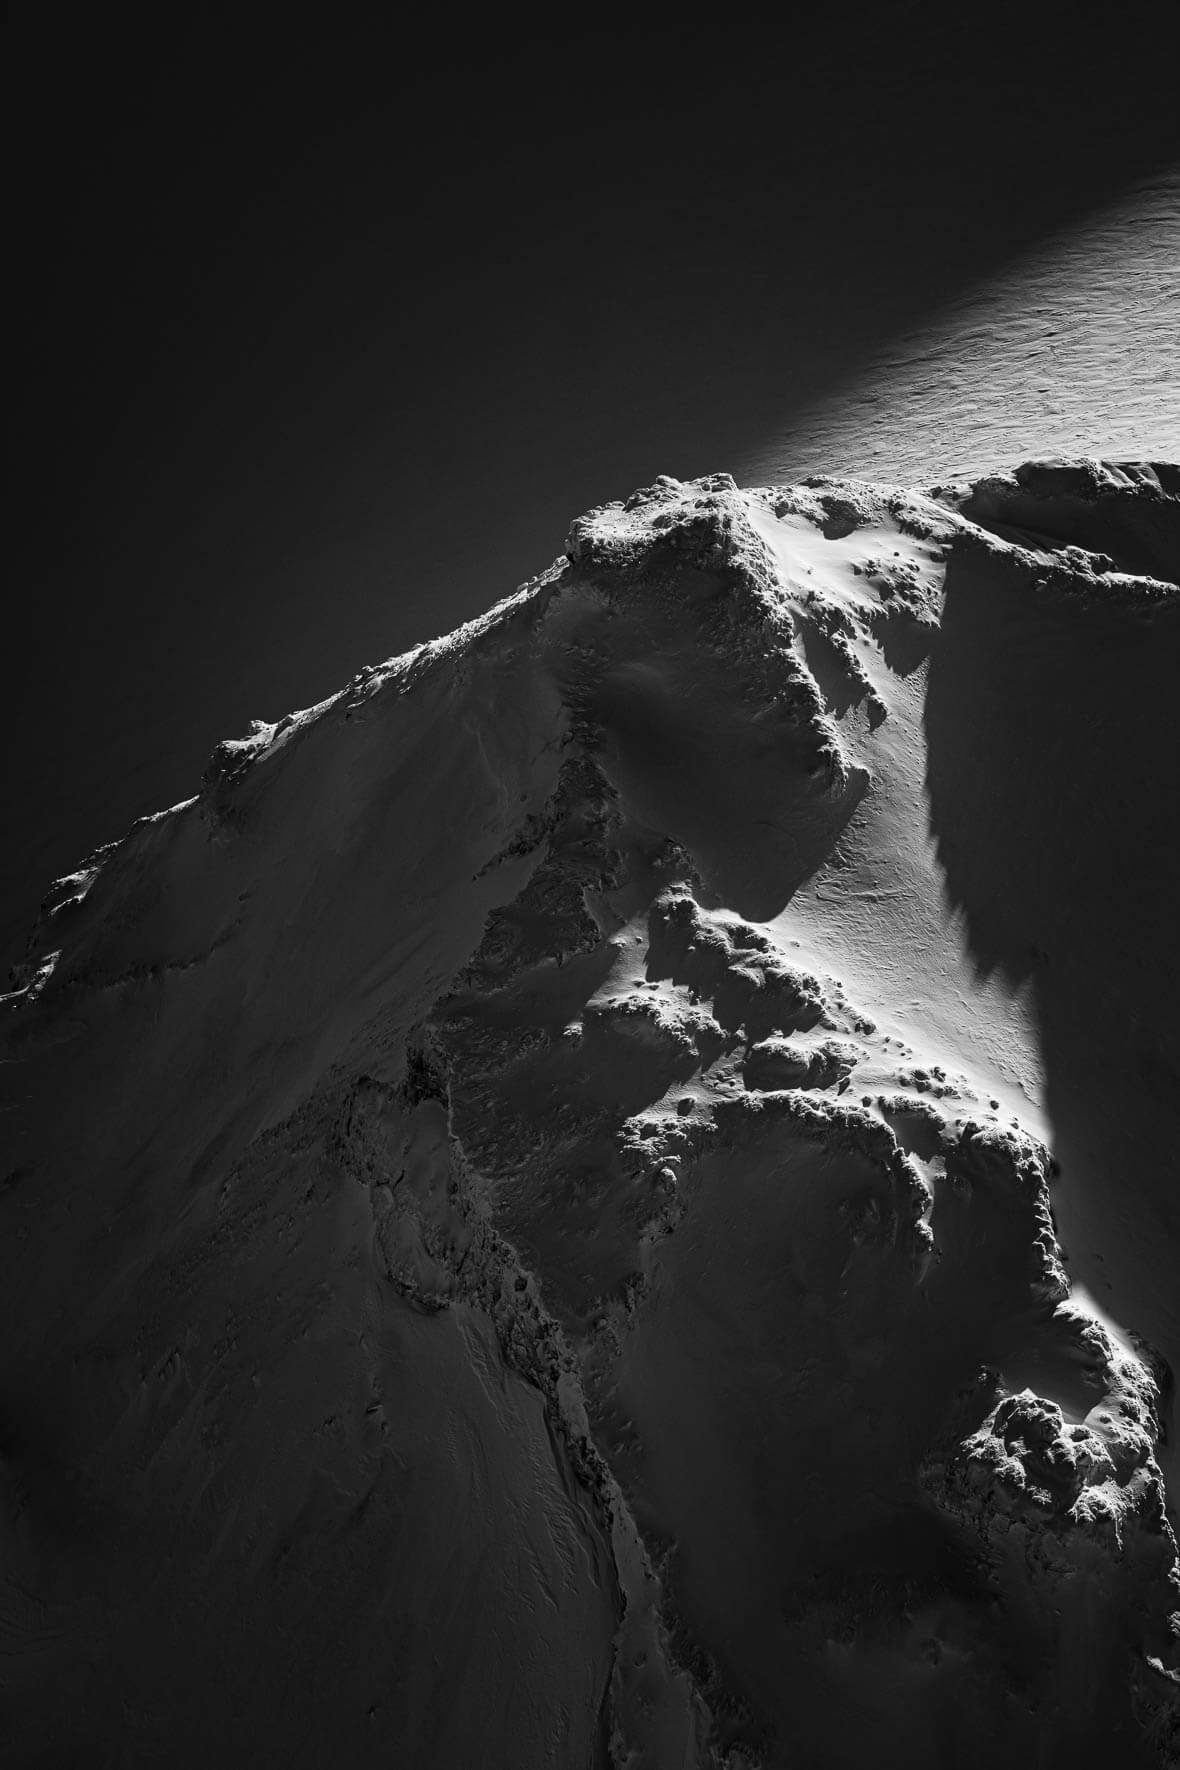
604	1197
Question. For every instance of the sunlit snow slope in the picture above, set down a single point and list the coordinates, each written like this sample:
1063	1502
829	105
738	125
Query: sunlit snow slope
606	1196
1070	350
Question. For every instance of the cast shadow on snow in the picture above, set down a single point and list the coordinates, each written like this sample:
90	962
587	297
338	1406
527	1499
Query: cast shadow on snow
1052	778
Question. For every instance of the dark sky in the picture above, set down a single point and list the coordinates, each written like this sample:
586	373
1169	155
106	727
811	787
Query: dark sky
325	337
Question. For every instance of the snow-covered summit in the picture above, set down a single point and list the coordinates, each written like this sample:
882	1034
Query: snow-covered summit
598	1197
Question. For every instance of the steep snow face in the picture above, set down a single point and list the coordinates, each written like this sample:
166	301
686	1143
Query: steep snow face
543	1203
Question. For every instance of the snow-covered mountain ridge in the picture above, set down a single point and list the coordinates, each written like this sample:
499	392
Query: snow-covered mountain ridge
601	1197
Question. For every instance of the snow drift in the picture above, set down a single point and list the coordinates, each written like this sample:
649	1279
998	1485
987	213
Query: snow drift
605	1196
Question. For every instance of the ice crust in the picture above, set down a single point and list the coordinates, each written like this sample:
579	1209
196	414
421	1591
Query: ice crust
533	1205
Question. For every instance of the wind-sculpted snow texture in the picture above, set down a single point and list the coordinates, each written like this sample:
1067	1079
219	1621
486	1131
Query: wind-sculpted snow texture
532	1204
